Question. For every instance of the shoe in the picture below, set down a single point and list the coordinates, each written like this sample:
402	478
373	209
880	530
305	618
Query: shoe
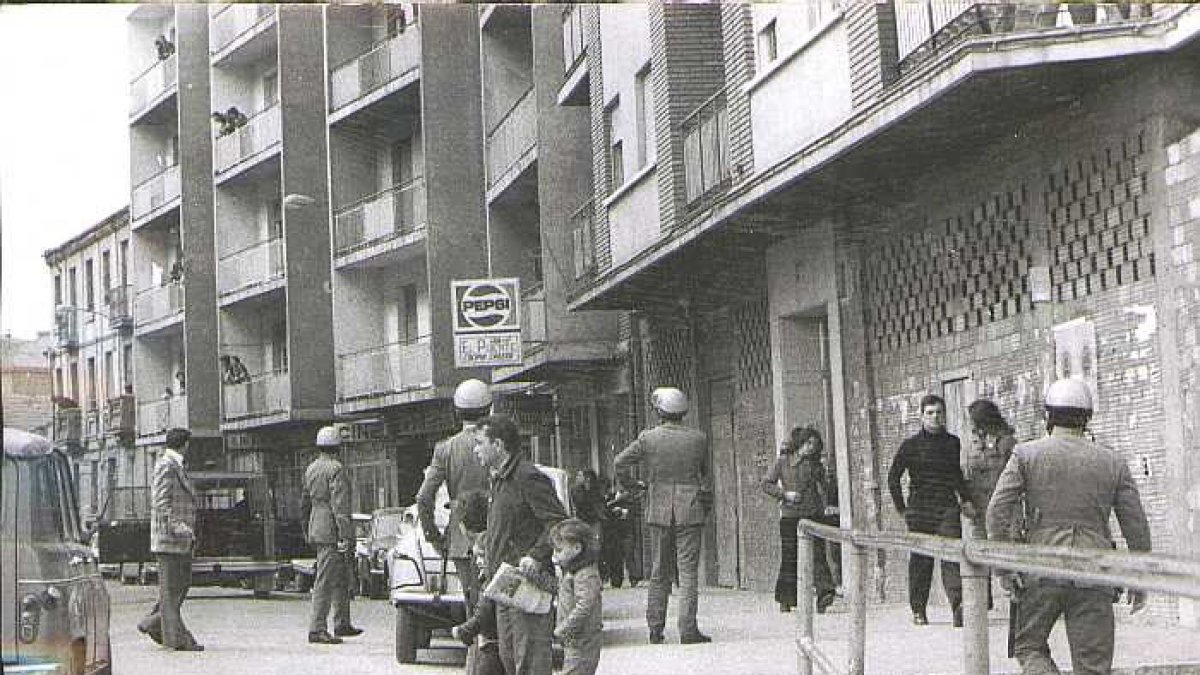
152	633
656	637
192	647
694	639
784	607
347	631
958	617
919	619
323	638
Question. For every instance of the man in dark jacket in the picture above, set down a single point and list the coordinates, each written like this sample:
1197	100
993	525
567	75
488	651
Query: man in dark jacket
524	508
330	532
936	493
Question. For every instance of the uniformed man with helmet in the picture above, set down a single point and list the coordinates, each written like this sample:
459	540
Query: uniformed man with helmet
1071	486
674	461
330	532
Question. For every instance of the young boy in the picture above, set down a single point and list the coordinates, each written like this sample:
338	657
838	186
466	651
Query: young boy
579	625
481	624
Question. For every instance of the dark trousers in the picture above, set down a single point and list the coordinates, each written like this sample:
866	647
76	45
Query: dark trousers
619	553
785	583
672	545
330	588
1088	614
166	617
525	641
920	567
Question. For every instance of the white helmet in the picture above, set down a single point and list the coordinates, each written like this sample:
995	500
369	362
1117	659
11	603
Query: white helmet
472	395
329	437
669	400
1069	393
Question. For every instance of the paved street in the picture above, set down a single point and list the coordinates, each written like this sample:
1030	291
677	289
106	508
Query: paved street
267	637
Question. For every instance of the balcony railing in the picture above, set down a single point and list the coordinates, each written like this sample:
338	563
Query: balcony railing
260	132
120	307
234	20
261	395
155	417
251	266
927	29
395	212
152	83
385	62
387	369
533	317
706	149
574	39
66	327
512	136
68	425
155	192
120	415
154	304
583	242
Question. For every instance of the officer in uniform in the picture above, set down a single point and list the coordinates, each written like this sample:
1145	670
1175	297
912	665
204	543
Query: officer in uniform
327	495
454	463
674	459
1070	486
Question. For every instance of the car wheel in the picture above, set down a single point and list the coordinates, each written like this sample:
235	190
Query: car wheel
408	627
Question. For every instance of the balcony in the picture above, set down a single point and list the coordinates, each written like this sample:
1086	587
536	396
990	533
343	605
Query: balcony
233	21
512	138
533	317
386	62
575	88
583	249
151	86
155	193
120	306
120	415
706	152
155	417
388	369
68	425
381	217
66	327
261	132
254	266
158	305
263	394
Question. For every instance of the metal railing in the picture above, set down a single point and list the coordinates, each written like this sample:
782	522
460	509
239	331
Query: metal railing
262	394
66	327
1144	571
154	304
533	316
261	131
154	192
512	136
234	20
120	414
706	149
252	266
68	425
152	83
394	212
383	63
386	369
120	305
155	417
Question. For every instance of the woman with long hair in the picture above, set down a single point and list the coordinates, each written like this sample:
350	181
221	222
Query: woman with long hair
992	442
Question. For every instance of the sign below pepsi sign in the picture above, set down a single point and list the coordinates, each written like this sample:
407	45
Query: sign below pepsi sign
487	322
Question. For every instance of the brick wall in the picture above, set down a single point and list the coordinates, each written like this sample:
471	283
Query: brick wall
874	53
600	169
738	32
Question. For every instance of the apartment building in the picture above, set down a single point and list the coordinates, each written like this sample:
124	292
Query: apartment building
90	358
25	381
853	205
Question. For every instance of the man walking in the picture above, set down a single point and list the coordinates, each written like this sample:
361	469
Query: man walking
937	493
172	540
524	509
327	493
674	459
1071	486
454	463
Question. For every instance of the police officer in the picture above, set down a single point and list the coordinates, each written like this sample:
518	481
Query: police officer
1070	486
679	493
327	493
454	463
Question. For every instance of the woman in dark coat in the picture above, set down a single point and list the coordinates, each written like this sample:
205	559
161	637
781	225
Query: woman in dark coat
797	480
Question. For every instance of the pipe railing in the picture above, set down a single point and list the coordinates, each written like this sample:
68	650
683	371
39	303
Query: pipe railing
1142	571
155	191
234	20
252	266
263	394
385	369
394	212
379	65
261	131
152	304
513	135
155	417
152	83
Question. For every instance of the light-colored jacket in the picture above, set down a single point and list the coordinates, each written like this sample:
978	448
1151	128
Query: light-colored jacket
674	460
453	463
173	511
327	490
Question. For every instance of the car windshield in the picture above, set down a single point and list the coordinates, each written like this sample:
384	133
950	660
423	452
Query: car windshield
388	523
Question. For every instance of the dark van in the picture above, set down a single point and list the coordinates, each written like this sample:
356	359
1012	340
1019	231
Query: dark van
55	609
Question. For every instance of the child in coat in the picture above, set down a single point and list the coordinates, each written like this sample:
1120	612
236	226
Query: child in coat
579	625
480	628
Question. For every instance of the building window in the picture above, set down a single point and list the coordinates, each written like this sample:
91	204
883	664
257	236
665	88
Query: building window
58	297
124	261
705	149
768	47
110	376
72	288
91	382
408	330
127	368
105	270
644	104
574	46
270	91
89	285
616	159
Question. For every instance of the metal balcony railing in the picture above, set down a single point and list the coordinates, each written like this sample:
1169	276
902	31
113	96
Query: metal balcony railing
155	417
155	304
120	415
66	327
383	63
397	211
263	394
391	368
152	83
154	192
512	137
120	306
253	266
261	131
706	149
68	425
574	39
234	20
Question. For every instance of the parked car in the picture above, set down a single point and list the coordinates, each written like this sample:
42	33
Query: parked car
305	568
372	551
424	600
55	608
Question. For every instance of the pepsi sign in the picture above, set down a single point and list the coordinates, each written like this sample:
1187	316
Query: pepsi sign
485	305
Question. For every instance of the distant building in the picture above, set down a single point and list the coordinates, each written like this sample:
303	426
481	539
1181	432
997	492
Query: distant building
25	382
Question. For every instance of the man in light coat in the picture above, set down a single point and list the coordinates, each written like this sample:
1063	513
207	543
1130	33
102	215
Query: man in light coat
172	540
674	460
331	533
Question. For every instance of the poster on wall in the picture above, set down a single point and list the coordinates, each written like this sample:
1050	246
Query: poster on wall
1075	353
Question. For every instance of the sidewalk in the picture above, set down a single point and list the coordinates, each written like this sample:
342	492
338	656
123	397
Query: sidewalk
750	636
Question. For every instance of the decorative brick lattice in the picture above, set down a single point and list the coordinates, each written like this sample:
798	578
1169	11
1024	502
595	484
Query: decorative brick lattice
753	337
668	355
1100	221
965	272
